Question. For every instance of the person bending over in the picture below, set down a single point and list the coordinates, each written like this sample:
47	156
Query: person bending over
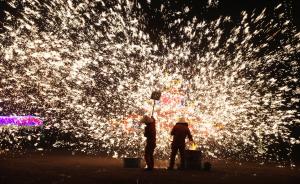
179	132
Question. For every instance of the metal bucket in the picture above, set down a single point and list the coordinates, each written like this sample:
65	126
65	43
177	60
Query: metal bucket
132	162
193	159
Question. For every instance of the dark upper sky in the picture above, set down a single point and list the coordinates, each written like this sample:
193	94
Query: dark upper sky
231	8
157	20
199	7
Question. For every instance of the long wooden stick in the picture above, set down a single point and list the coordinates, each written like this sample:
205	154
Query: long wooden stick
153	107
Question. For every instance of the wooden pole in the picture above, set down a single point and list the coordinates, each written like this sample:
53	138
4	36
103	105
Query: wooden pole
153	107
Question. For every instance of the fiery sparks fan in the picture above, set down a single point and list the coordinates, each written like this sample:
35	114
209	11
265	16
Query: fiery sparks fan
87	68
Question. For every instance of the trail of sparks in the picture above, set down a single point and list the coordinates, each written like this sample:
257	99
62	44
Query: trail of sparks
87	67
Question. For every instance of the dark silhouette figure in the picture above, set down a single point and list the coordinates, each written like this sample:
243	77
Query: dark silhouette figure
179	132
150	134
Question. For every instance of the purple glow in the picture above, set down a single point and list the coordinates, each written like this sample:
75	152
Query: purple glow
20	121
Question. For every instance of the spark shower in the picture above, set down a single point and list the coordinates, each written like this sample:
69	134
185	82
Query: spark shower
88	68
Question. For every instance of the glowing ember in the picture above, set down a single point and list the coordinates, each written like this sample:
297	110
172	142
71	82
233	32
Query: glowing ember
89	69
193	146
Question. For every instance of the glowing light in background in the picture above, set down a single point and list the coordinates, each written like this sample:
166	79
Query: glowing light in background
89	68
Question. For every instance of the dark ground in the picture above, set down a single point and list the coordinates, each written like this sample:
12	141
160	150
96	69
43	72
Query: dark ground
63	168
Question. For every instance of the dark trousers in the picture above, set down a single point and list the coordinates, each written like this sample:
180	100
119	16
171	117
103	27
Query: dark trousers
175	148
149	151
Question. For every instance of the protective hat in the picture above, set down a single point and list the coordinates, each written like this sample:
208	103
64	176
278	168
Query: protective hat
146	119
182	120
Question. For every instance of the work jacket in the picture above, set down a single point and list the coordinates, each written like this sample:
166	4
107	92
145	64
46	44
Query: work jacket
150	132
179	132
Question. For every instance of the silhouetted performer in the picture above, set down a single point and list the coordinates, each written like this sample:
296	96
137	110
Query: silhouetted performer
150	134
179	132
